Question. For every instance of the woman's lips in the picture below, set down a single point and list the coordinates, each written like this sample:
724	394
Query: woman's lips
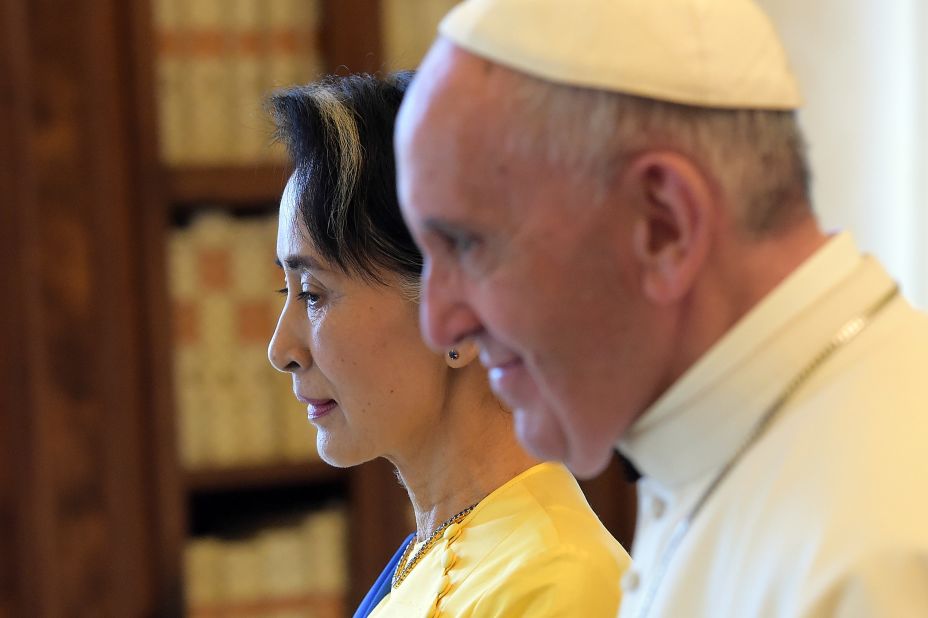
317	408
315	412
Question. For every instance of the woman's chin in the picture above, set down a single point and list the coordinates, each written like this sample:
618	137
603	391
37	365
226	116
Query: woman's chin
339	455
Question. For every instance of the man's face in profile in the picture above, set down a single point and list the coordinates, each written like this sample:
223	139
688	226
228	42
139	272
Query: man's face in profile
518	257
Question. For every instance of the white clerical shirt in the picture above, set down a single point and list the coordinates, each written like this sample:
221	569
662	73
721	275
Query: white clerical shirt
827	513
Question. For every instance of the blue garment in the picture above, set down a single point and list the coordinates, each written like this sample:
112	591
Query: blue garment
381	587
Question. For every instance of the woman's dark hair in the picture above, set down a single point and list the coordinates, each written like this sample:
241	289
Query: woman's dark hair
339	134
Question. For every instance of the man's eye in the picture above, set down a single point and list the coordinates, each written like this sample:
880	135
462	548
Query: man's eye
464	244
460	243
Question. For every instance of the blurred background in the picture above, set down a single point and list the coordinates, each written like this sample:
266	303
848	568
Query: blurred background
151	461
863	69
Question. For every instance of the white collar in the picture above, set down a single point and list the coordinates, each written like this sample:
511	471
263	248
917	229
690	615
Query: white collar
704	417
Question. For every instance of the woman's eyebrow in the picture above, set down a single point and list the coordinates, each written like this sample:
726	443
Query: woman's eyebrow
300	262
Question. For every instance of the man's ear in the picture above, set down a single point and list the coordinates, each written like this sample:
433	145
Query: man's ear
674	217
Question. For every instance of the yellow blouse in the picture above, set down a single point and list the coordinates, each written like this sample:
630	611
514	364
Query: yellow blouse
533	547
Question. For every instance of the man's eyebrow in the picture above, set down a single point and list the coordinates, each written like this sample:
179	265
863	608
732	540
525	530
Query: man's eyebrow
443	226
300	262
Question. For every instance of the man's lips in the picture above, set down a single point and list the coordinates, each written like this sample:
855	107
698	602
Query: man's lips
507	377
492	362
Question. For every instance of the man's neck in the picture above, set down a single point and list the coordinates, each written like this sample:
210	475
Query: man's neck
740	275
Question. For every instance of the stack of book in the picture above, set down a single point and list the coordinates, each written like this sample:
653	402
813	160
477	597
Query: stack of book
217	61
296	570
233	408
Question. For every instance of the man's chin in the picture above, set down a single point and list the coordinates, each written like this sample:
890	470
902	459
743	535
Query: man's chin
540	434
585	464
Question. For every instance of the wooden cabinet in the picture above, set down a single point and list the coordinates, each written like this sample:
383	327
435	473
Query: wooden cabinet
80	509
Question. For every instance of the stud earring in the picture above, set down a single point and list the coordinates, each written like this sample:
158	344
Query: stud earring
454	354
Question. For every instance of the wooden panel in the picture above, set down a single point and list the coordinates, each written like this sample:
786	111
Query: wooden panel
351	38
17	567
165	500
81	532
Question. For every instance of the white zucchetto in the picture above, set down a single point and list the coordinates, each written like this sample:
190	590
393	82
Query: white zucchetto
708	53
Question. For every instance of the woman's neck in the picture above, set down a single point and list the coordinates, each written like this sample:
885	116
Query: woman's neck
463	461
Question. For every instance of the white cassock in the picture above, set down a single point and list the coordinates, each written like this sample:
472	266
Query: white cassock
827	513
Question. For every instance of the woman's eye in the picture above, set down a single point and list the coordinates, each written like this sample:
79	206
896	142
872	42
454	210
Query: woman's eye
306	296
310	299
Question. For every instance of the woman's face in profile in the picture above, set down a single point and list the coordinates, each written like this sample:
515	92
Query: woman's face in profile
371	386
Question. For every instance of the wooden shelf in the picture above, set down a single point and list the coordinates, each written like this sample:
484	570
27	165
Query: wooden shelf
229	185
253	477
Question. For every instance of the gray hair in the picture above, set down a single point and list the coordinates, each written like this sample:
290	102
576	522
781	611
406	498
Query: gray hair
757	156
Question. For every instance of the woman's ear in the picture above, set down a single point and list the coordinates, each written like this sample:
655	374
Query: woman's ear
462	354
673	221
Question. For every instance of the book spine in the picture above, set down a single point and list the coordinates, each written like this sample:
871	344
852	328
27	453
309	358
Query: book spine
305	26
209	87
187	362
202	563
256	308
248	119
171	50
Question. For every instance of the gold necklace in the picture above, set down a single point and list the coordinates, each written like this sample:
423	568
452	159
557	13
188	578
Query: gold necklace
403	568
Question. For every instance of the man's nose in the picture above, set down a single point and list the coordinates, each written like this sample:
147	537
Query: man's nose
445	315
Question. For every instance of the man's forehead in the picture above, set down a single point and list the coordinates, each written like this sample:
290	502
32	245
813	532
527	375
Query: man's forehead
450	133
452	83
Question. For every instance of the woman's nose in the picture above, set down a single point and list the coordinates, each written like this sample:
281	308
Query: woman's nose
287	350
